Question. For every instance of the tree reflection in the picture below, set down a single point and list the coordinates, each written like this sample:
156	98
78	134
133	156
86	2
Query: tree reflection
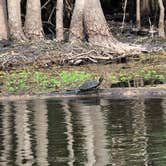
126	130
41	131
155	114
69	132
5	135
94	131
89	131
22	132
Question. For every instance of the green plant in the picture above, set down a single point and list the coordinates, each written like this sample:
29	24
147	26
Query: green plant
69	77
44	81
125	77
151	75
16	81
24	80
161	78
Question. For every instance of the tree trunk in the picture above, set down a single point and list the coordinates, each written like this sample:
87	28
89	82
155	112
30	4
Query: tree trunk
161	19
96	26
59	20
145	10
76	27
88	22
138	14
33	22
3	20
14	19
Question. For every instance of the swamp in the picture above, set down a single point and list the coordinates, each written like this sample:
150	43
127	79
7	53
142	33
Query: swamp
83	82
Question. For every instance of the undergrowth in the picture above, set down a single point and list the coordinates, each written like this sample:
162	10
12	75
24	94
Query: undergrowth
30	81
147	74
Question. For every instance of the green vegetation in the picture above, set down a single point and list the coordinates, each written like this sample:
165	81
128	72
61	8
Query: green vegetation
26	81
39	81
31	80
152	75
15	81
44	81
70	77
148	74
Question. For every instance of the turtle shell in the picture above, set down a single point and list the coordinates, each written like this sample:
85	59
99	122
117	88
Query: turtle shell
89	85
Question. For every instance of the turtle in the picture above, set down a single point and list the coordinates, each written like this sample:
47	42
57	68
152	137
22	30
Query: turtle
90	85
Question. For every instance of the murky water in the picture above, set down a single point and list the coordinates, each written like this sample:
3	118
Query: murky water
90	132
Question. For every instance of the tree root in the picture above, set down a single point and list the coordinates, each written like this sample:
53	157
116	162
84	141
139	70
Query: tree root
47	53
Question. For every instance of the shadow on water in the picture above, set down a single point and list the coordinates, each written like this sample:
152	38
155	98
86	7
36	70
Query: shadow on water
91	131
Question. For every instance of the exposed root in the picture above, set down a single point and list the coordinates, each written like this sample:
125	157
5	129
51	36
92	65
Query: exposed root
46	53
117	47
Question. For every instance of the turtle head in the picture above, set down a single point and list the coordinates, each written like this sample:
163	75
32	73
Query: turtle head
101	79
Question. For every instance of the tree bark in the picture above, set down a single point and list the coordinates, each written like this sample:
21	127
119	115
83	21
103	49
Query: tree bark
88	22
76	33
138	14
95	24
59	20
145	9
14	19
161	19
3	20
33	22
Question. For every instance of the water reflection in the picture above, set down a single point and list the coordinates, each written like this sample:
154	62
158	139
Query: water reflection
22	133
41	130
5	135
94	131
93	124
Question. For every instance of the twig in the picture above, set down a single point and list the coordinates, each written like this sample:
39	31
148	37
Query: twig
45	4
124	15
49	19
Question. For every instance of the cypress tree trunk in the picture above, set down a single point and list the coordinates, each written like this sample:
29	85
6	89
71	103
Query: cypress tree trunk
33	22
88	22
59	20
3	20
138	14
145	10
14	19
76	27
95	24
161	19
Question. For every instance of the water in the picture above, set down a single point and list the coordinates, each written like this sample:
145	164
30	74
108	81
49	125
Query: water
90	132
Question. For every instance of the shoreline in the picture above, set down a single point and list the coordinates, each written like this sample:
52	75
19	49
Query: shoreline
114	93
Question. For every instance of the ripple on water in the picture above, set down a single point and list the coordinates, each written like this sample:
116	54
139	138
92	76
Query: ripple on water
92	131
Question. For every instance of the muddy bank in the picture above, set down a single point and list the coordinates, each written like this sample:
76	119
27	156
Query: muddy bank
114	93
